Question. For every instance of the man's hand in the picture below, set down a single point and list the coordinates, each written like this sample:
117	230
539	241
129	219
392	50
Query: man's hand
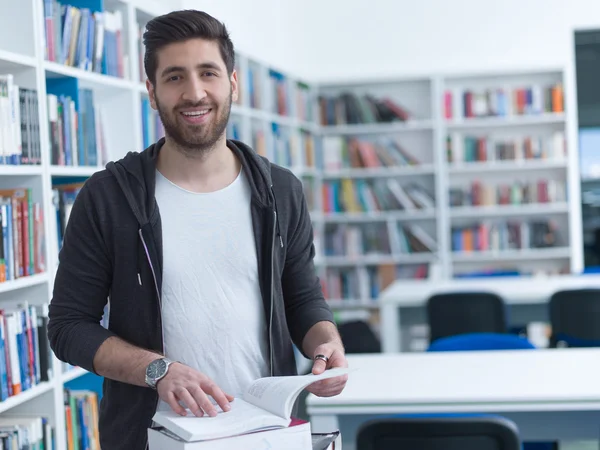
334	352
182	383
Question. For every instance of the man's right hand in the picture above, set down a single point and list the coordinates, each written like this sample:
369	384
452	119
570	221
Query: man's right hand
192	388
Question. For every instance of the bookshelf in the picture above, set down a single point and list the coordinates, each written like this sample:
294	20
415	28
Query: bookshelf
399	183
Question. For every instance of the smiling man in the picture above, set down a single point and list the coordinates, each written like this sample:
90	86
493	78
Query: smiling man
204	248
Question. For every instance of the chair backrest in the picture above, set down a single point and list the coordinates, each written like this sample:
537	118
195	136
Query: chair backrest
455	313
481	341
442	433
358	337
575	318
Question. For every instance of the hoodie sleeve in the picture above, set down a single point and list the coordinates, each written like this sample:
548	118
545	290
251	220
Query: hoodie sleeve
81	288
304	300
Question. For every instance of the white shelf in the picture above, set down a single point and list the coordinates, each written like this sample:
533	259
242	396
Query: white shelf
510	121
341	304
378	128
53	69
375	216
506	166
512	255
526	210
24	282
20	170
380	172
25	396
374	260
73	171
9	60
73	374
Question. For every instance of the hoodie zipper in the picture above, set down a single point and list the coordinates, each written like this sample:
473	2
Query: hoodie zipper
272	289
162	335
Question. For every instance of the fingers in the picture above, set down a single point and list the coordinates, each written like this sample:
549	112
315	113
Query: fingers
188	400
174	404
223	400
203	401
328	388
319	367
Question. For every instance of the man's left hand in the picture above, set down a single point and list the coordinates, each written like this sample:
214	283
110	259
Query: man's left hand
334	352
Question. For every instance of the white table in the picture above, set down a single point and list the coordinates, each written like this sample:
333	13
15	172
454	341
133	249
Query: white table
514	290
551	394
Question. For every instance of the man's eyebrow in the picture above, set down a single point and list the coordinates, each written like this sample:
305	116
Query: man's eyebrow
206	65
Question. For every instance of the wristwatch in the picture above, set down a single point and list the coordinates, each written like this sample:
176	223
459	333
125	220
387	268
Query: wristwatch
156	370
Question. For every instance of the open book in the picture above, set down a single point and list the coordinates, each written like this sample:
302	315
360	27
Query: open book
266	404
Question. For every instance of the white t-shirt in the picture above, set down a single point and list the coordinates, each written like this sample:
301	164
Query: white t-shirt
212	310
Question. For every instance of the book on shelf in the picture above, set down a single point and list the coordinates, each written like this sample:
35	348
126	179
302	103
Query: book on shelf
77	135
152	126
465	148
88	40
81	419
524	192
357	196
349	108
347	152
23	237
25	355
383	275
277	84
503	101
304	100
357	240
505	235
341	284
63	199
19	123
266	404
26	431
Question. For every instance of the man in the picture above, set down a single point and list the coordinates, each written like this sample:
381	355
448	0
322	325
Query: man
204	247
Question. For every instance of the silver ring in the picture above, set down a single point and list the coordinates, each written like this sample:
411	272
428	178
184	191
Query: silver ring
322	357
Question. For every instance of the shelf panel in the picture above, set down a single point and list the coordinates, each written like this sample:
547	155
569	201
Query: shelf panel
73	171
373	260
379	172
73	374
493	122
512	255
20	170
376	216
25	396
340	304
533	209
92	77
11	62
24	282
377	128
505	166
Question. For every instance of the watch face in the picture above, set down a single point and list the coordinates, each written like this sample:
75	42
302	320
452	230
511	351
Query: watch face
156	369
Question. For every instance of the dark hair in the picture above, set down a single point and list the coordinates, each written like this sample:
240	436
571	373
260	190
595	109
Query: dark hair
180	26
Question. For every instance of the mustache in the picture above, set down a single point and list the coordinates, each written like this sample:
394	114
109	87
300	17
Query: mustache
194	105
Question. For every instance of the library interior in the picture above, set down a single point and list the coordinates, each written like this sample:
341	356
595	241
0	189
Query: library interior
448	159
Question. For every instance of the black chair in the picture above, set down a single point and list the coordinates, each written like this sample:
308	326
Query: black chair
455	433
453	313
575	318
358	337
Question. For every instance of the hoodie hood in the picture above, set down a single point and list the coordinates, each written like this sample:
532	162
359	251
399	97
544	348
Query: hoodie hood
136	175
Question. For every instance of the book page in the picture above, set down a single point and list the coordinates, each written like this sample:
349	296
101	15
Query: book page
242	418
277	394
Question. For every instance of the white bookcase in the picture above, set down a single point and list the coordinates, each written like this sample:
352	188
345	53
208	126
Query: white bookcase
293	133
118	101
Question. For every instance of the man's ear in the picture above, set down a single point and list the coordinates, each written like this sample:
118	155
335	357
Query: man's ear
234	86
151	94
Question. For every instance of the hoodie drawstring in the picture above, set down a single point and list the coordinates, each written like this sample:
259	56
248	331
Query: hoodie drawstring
277	218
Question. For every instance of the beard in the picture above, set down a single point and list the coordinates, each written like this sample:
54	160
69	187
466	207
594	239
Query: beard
195	140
